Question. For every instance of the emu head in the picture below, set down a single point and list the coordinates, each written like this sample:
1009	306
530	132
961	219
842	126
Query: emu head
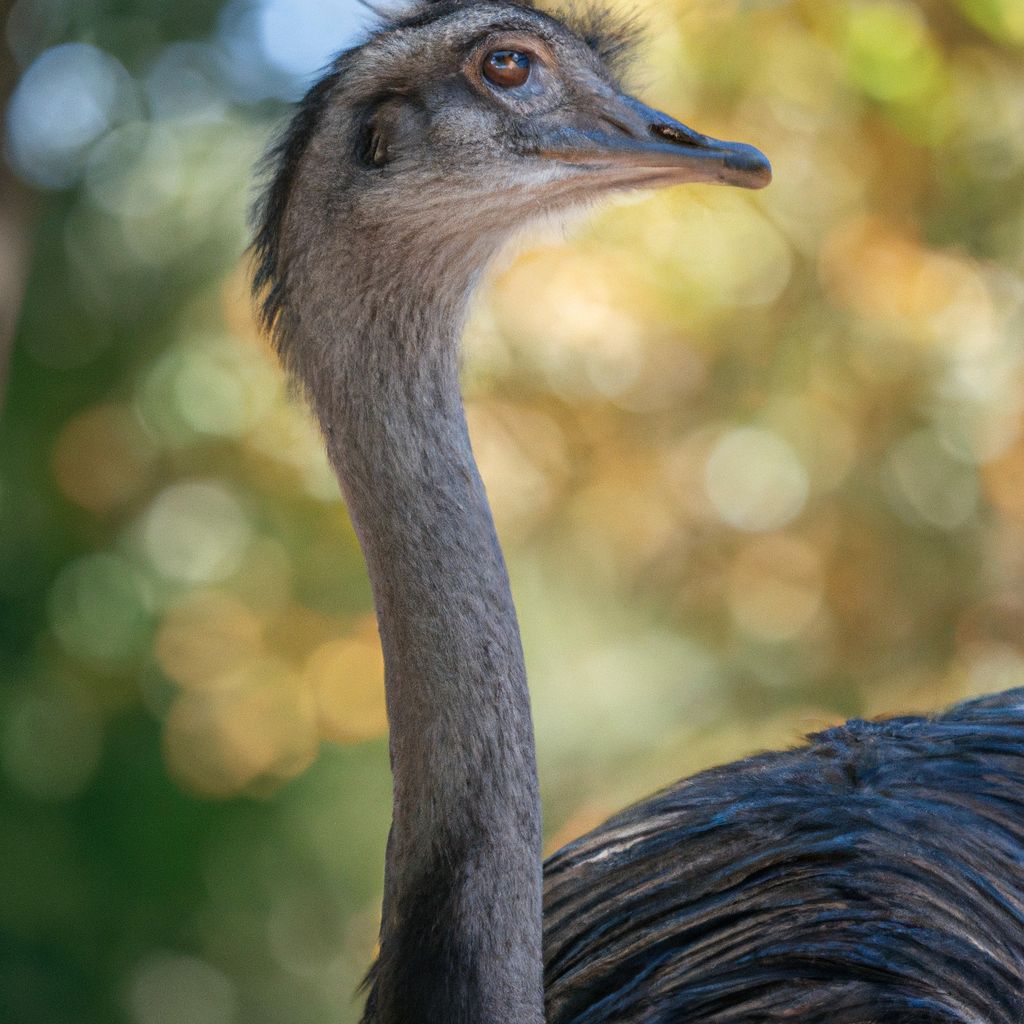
450	128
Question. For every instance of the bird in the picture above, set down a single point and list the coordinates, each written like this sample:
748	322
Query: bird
872	875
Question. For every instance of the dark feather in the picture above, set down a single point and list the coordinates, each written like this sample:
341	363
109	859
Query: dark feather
874	876
279	167
429	975
613	33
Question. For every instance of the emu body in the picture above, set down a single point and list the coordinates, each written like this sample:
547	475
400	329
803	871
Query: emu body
874	877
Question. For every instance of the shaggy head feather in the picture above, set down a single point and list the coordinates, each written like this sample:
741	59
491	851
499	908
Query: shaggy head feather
610	34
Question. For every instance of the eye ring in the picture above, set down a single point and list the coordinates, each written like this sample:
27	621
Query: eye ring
507	69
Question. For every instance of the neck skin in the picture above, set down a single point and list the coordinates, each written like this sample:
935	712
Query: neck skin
461	928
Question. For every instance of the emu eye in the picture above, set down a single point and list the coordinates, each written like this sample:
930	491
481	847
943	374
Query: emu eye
507	69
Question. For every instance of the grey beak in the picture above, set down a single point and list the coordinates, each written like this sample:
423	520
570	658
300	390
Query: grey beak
631	144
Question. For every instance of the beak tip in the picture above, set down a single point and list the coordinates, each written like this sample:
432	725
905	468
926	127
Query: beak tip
751	163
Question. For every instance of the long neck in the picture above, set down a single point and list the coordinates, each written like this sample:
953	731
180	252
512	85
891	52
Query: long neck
461	930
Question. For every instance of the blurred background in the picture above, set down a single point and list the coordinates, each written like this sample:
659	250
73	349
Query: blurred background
757	461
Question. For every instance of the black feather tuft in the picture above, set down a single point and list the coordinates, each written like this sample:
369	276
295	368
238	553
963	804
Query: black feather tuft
427	973
613	33
279	167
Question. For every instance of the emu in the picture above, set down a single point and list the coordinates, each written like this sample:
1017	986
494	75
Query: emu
873	876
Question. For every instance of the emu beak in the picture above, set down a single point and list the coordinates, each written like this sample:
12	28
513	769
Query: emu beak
633	145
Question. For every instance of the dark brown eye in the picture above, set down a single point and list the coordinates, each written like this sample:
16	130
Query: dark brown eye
507	69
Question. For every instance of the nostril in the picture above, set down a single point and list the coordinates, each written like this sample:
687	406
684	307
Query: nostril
678	134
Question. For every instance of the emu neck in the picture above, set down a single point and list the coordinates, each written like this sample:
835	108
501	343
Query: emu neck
461	930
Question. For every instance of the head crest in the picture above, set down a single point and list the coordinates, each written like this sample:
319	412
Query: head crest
612	32
279	167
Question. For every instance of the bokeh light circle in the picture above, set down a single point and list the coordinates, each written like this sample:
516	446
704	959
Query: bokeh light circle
68	99
169	988
98	609
755	480
196	531
50	744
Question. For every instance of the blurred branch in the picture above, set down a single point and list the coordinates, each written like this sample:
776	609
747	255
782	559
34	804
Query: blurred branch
15	217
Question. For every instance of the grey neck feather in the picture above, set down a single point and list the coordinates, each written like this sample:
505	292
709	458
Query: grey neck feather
461	930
